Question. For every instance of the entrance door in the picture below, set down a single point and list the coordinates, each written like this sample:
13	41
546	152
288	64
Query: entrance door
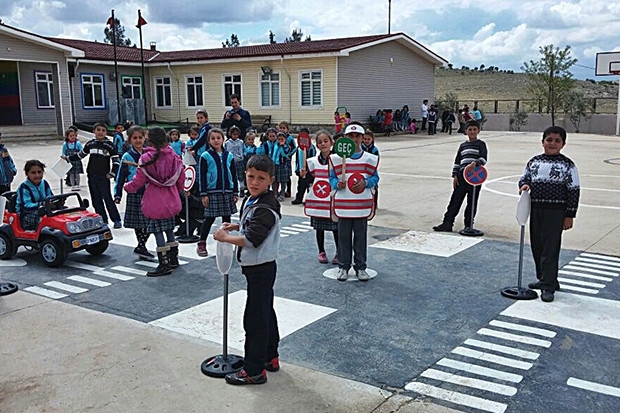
10	113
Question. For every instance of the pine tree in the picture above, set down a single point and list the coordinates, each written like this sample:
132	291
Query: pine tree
121	40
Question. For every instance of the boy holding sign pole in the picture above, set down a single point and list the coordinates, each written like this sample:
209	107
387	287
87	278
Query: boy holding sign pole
353	201
305	150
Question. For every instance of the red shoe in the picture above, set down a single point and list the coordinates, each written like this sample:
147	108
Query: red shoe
323	258
273	365
241	377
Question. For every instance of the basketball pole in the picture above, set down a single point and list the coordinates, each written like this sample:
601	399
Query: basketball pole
618	111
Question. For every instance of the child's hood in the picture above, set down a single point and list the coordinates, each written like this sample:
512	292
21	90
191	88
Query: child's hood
166	170
268	199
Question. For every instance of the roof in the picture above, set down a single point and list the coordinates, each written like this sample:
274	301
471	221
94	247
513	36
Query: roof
342	46
35	38
104	51
276	49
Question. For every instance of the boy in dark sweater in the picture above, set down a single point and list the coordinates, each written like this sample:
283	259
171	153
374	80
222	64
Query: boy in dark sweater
471	153
98	171
553	182
257	250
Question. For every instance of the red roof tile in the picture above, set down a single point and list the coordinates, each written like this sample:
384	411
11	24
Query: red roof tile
104	51
277	49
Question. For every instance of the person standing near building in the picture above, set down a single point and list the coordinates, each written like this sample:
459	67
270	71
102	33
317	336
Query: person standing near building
236	116
424	113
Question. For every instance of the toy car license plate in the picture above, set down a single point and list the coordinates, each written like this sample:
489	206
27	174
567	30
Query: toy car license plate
93	239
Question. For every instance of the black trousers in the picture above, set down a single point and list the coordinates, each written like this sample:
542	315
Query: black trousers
302	186
259	319
424	120
456	201
546	240
99	188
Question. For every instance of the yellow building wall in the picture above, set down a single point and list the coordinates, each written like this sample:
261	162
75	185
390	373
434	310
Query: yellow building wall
289	109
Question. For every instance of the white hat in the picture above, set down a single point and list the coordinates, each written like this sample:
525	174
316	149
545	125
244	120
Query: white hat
354	129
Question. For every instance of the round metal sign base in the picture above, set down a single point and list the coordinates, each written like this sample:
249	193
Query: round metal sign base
188	239
7	288
219	366
471	232
519	293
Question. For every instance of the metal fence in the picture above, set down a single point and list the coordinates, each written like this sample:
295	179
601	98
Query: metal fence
599	105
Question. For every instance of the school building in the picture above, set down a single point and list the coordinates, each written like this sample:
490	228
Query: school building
51	83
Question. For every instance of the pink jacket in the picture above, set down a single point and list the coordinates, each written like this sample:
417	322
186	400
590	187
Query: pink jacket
163	180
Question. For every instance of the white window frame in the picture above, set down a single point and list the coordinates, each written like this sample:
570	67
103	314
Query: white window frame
239	83
190	82
94	85
47	80
164	86
270	82
133	85
312	105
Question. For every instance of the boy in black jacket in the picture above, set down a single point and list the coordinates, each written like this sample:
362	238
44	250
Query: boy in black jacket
553	182
257	250
98	171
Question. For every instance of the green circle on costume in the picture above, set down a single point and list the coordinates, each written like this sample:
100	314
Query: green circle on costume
345	147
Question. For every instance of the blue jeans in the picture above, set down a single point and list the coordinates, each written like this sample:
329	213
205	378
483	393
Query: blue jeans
352	234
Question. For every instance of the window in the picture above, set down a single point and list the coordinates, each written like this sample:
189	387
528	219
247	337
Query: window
45	90
311	93
92	92
193	84
132	87
163	92
232	84
270	89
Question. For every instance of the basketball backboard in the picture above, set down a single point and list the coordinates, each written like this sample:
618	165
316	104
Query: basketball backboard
607	63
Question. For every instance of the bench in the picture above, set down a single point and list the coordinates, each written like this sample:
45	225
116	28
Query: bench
261	122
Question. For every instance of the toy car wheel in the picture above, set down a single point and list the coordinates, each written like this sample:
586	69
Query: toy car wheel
52	252
97	249
7	247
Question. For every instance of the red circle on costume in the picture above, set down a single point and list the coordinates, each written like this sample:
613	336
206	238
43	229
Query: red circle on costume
353	179
321	189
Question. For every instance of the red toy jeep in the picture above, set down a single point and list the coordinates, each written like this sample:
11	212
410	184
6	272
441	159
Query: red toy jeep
65	226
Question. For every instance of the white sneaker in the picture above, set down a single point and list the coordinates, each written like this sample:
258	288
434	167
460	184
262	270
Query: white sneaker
362	275
343	274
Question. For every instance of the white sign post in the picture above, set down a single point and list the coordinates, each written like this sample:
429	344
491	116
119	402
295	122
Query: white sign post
61	168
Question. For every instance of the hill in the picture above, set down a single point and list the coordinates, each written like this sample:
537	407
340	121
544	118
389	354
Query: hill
474	85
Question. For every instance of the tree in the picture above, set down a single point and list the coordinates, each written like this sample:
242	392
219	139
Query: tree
577	107
120	34
550	79
448	102
272	37
234	41
518	119
296	36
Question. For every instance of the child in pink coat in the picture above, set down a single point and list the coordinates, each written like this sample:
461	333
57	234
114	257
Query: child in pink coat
161	170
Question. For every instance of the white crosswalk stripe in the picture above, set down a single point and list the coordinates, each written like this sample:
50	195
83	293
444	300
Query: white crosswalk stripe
526	329
610	264
584	275
480	371
601	257
91	281
457	398
515	337
492	358
579	282
579	289
45	292
470	382
524	354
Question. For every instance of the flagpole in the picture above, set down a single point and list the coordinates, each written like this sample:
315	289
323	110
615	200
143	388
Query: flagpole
118	100
141	23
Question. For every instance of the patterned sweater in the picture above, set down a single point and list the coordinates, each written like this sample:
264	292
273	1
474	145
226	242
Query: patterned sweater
554	183
469	151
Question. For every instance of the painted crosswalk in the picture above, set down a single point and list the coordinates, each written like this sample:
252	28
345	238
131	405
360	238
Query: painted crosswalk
589	273
486	365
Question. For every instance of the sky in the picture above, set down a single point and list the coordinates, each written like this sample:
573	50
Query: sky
502	33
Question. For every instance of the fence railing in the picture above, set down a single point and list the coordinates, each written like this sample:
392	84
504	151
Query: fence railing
599	105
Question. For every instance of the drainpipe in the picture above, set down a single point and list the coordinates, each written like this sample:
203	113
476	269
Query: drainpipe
71	88
290	98
178	90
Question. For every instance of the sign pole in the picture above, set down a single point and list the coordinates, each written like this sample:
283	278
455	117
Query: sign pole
518	292
190	178
618	112
475	178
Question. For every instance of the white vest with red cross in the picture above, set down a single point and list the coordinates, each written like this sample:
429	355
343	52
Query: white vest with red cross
346	203
318	201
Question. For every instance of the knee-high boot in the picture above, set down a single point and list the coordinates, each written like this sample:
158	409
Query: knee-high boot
164	263
173	254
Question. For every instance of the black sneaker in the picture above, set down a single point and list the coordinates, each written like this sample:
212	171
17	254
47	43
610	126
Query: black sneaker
241	377
546	296
273	365
443	227
538	285
296	201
